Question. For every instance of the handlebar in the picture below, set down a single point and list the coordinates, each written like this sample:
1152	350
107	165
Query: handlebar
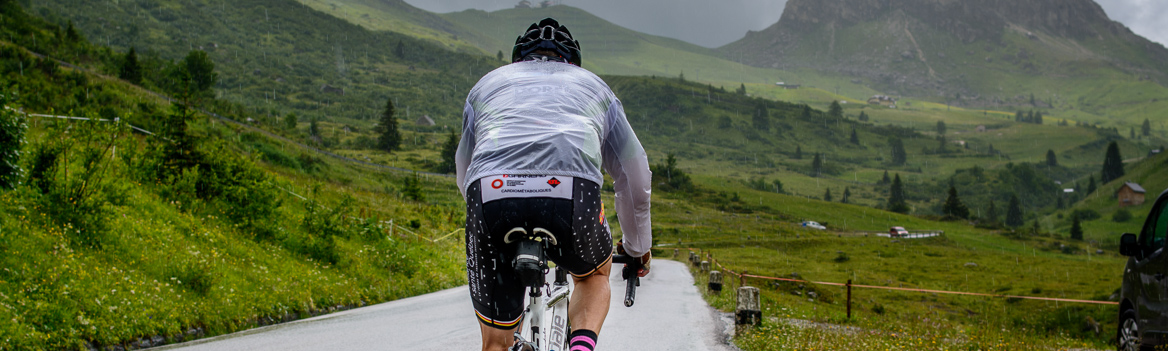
629	273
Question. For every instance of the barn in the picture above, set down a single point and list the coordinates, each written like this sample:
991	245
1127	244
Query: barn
1130	194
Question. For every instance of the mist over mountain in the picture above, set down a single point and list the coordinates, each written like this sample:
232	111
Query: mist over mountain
932	47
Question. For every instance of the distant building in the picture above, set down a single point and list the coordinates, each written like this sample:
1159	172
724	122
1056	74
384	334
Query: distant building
882	100
523	4
1130	194
791	86
544	4
1154	152
980	129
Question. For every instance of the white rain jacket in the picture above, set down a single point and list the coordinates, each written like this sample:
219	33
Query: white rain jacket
552	118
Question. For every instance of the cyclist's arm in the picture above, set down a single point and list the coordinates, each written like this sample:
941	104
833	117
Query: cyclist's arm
465	147
626	162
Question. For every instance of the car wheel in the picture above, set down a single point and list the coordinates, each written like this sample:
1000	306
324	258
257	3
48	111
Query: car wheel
1129	331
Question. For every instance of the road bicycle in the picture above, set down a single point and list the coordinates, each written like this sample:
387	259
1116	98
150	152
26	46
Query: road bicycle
545	320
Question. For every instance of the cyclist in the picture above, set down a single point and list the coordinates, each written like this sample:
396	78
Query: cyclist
536	133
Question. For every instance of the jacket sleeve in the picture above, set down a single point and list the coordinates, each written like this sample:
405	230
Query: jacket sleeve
626	162
465	147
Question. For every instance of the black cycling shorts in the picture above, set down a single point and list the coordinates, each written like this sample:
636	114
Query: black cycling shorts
575	217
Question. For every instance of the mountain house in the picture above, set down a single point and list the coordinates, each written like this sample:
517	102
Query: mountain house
1130	194
523	4
425	120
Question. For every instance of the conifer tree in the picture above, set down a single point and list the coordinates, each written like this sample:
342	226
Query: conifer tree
798	152
885	179
1091	185
863	116
855	139
816	165
847	194
499	55
1076	228
1018	116
827	195
896	201
899	156
449	150
389	138
741	89
991	215
762	118
835	110
1112	164
1037	117
131	70
941	129
1051	160
1146	129
953	206
1014	212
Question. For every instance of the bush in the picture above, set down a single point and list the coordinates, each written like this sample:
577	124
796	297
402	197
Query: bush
842	257
1086	214
1123	215
12	129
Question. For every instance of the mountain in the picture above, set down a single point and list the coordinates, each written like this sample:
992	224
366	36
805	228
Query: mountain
980	48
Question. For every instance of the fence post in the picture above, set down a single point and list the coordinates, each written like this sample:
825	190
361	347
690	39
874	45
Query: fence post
705	266
715	283
674	253
849	299
749	310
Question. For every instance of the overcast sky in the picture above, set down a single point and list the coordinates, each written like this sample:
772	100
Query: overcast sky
714	23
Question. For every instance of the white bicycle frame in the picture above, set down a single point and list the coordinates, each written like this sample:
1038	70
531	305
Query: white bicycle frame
545	322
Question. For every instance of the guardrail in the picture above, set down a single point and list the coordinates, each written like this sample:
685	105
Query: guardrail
706	263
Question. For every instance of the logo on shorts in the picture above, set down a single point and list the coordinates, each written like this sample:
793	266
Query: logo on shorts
497	183
553	182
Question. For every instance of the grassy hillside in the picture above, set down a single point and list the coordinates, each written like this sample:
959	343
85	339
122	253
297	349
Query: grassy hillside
1148	173
116	238
398	16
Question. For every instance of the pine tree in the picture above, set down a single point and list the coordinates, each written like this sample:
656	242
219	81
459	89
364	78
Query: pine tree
863	116
71	33
835	110
1014	212
1018	116
1132	135
313	128
847	195
1035	228
499	55
885	179
449	150
855	139
1029	117
827	195
798	152
941	129
816	165
991	215
400	50
762	117
741	89
1076	228
1060	204
1091	185
131	70
1051	160
1112	163
899	157
1146	129
389	139
896	201
1037	118
953	206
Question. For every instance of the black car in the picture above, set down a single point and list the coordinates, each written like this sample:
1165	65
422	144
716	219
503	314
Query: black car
1143	306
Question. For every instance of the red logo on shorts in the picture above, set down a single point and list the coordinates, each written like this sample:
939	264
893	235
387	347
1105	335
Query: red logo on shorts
497	183
553	182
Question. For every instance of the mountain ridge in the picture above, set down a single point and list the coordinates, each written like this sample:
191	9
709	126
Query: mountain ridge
810	34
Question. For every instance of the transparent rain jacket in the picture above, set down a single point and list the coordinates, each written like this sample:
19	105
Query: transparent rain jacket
552	118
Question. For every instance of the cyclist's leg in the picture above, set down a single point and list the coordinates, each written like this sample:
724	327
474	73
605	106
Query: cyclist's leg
587	255
495	292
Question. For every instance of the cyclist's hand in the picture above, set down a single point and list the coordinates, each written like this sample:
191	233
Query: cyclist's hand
645	259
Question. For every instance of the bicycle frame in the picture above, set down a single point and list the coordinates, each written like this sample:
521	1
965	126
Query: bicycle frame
541	332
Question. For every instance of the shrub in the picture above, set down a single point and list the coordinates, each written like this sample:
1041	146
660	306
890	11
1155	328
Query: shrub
1086	214
1123	215
842	257
12	129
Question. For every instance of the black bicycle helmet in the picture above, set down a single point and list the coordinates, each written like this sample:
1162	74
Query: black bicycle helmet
547	35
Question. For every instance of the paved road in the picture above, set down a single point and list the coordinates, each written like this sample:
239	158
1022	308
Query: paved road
669	315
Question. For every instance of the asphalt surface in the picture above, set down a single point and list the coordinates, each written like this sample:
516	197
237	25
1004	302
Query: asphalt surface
669	314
